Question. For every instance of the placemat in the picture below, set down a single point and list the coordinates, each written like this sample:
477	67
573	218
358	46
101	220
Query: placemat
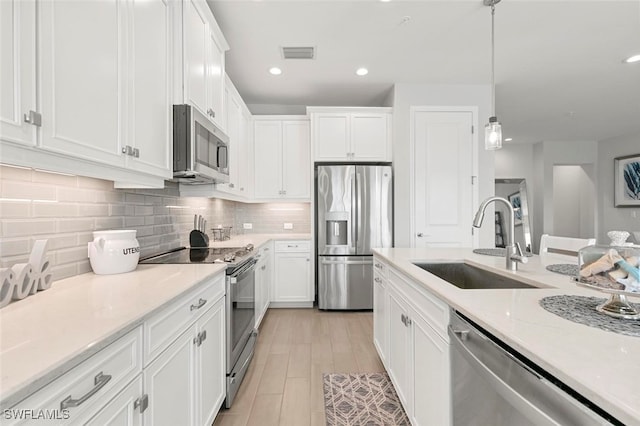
582	309
498	252
564	269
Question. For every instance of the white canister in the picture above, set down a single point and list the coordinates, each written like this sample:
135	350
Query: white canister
114	252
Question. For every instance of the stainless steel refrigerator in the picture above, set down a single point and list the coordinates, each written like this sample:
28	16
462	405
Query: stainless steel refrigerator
354	207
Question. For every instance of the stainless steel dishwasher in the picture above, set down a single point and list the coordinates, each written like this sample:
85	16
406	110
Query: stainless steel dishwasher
494	385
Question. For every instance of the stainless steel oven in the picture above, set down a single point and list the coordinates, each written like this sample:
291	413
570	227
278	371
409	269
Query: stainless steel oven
241	334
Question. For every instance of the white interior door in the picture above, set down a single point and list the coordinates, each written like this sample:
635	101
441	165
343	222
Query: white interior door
443	170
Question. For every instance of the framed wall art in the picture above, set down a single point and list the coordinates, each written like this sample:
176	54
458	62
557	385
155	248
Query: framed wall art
516	203
626	181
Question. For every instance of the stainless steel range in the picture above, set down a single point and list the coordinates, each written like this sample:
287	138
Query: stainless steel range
240	302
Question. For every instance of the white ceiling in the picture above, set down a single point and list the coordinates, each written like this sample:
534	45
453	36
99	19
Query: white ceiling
559	70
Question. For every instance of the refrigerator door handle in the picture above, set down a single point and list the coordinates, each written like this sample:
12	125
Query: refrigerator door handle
354	213
359	189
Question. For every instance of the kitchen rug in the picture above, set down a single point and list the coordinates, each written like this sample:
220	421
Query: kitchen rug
361	399
582	310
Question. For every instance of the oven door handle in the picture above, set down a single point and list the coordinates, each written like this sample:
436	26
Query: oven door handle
243	271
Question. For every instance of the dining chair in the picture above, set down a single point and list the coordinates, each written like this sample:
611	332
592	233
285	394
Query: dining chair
566	247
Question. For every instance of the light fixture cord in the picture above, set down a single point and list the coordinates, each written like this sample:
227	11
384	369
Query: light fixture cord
493	65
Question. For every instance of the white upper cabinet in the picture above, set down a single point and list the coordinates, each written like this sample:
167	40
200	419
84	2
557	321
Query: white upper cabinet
104	91
351	134
282	164
151	65
83	57
237	129
17	70
203	47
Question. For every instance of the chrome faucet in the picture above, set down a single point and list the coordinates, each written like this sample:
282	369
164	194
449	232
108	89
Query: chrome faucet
514	251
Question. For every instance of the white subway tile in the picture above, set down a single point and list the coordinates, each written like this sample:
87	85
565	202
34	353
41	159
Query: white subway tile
117	210
15	173
27	190
26	227
133	198
84	266
103	223
93	210
9	261
54	209
76	194
75	254
86	182
15	247
131	221
143	210
57	241
11	209
54	178
78	224
64	271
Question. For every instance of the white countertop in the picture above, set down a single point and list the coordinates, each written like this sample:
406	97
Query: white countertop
47	334
256	239
602	366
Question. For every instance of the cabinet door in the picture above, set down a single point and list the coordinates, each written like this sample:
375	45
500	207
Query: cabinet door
17	70
150	112
296	164
430	375
268	159
398	362
443	190
292	277
210	363
215	80
380	317
169	382
197	40
234	122
370	137
121	410
83	64
331	136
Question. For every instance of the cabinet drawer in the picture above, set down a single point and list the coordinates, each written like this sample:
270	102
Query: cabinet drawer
83	391
434	310
293	246
165	326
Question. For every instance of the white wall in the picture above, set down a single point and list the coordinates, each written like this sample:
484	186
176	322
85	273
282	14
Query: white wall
573	203
406	95
614	218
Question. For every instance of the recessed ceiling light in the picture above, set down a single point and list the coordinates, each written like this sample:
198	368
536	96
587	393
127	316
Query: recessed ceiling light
385	1
508	139
275	71
632	59
362	71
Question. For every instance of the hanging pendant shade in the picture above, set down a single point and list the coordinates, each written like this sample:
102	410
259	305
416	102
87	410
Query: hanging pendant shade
492	134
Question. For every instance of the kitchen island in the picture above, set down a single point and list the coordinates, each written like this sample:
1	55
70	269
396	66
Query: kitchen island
602	366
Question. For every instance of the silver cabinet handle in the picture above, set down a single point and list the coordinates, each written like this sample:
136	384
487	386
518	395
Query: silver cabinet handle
264	267
403	319
211	113
201	303
201	337
408	322
292	245
231	185
34	118
378	265
378	280
136	152
99	382
420	234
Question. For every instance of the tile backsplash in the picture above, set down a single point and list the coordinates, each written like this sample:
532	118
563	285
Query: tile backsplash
66	209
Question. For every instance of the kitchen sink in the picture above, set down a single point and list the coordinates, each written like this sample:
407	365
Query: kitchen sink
469	277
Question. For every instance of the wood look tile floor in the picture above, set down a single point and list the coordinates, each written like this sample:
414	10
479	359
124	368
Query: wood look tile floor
283	385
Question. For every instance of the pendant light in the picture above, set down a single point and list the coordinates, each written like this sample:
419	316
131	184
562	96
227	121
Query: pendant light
493	129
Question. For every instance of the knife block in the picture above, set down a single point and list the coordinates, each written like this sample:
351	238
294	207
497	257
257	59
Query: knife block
198	239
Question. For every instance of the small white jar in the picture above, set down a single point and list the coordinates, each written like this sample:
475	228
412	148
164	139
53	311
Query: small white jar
114	252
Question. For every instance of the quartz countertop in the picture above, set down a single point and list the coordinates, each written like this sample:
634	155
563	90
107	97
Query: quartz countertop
256	239
602	366
49	333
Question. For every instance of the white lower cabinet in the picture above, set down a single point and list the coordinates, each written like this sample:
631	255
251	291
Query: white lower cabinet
410	337
123	409
292	284
185	384
264	271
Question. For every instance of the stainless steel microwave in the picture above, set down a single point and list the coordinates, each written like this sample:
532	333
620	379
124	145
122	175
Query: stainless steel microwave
200	149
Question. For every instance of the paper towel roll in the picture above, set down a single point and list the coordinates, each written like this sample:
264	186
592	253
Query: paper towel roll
23	277
7	283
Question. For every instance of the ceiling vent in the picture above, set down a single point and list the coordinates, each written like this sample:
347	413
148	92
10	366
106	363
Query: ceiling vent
298	52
